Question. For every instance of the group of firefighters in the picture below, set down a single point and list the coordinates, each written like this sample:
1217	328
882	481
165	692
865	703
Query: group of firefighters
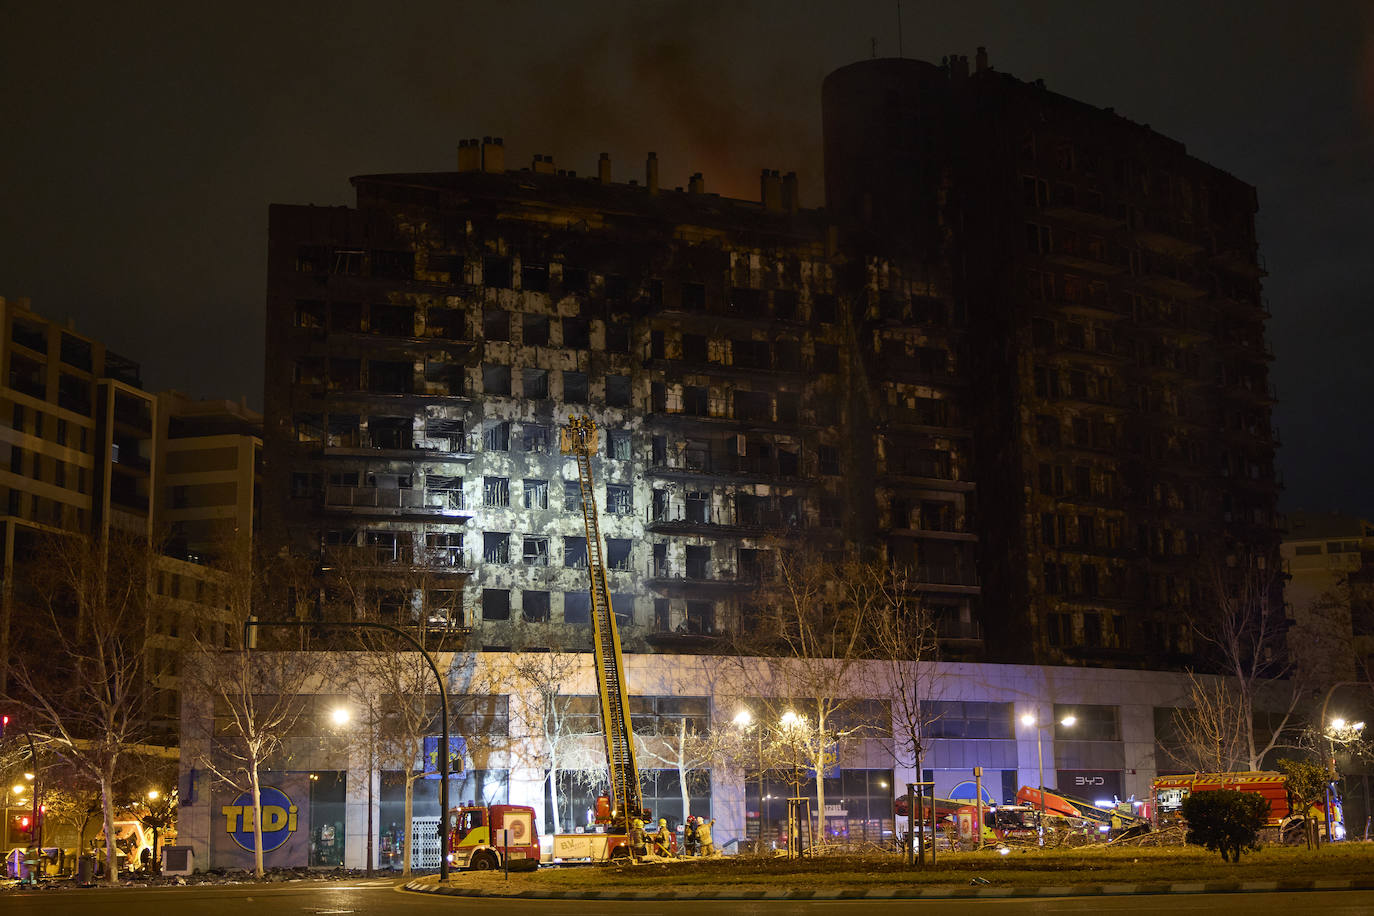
696	838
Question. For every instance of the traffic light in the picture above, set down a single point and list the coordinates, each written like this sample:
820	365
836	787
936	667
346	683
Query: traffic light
4	724
20	828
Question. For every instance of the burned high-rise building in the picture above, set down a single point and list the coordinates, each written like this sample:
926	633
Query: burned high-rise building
1021	352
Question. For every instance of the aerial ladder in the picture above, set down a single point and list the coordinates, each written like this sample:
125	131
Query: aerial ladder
579	439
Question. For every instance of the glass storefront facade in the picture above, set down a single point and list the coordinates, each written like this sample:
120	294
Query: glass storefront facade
662	790
328	791
858	807
473	787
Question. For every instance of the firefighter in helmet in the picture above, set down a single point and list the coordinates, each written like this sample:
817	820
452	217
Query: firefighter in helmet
708	848
662	840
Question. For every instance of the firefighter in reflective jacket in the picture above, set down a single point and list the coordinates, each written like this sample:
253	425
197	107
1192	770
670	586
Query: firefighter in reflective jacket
662	839
708	848
637	837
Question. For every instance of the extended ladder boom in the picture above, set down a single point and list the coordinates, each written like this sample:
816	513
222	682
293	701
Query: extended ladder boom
579	440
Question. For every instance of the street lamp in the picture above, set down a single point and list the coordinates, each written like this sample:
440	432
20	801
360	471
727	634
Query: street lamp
340	715
1342	732
1030	720
744	720
159	818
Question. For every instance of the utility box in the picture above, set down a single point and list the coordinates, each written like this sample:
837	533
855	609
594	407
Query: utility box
178	860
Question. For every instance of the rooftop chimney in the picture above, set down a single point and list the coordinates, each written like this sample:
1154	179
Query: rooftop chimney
543	164
981	60
651	173
469	156
791	201
696	184
958	66
493	155
603	169
770	189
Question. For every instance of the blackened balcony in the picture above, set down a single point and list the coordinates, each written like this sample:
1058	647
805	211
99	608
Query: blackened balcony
395	501
737	520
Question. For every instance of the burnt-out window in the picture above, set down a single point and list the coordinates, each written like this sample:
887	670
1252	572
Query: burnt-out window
451	264
617	288
496	379
496	604
346	317
575	280
535	383
618	445
825	308
393	265
535	331
535	551
785	304
495	324
693	296
577	608
535	494
496	272
618	334
575	387
695	401
495	547
392	320
694	348
450	324
534	277
534	606
575	552
577	333
620	499
618	553
496	436
746	301
827	358
496	492
309	314
390	377
618	391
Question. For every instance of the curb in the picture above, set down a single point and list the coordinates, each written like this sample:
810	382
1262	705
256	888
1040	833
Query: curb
431	886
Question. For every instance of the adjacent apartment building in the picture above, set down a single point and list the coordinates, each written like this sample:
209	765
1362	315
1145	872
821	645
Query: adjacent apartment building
1021	352
91	451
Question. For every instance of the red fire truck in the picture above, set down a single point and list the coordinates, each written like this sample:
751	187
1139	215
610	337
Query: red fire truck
476	840
1168	793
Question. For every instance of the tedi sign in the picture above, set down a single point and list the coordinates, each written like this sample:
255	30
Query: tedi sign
279	816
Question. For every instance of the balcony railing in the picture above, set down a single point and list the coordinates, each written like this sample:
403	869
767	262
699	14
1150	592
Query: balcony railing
705	461
946	575
387	498
725	516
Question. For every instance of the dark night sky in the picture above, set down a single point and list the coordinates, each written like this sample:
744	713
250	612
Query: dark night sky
143	142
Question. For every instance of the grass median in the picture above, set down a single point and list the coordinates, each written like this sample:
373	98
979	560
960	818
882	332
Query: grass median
1019	868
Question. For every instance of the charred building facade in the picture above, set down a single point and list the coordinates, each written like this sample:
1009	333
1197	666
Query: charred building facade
1021	352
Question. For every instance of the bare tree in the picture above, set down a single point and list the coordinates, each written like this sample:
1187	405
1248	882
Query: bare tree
1208	735
813	636
680	746
554	723
395	694
257	699
1246	632
905	641
86	602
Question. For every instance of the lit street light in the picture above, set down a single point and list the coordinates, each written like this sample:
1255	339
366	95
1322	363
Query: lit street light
1343	733
1031	721
744	720
340	715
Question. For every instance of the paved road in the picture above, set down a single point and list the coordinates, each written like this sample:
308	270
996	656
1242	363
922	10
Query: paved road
380	897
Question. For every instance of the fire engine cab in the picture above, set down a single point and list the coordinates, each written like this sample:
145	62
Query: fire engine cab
485	837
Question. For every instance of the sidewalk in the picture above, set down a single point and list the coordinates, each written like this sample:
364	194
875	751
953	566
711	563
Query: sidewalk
430	885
